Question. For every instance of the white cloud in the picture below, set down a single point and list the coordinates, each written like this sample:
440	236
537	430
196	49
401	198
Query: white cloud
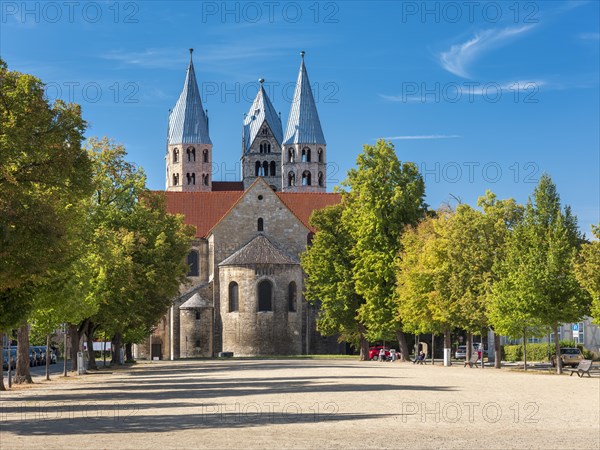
589	36
459	57
422	136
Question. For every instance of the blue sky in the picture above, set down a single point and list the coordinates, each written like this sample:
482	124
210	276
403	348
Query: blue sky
481	95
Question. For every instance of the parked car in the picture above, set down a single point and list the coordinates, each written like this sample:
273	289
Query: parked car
461	351
374	352
41	351
13	359
570	357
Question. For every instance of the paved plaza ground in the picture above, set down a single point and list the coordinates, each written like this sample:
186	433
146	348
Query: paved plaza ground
303	404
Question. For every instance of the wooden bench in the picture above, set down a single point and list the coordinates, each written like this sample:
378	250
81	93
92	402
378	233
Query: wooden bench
584	367
473	361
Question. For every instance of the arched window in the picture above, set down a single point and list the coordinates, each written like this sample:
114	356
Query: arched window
204	155
175	179
291	179
273	169
292	296
306	178
321	182
205	179
189	178
234	301
290	154
197	318
306	154
265	293
175	155
265	169
193	178
191	154
260	224
257	169
265	147
320	153
265	131
193	264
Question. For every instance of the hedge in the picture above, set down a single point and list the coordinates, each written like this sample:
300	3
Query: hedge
539	352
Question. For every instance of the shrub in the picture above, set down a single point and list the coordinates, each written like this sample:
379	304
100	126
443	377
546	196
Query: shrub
535	352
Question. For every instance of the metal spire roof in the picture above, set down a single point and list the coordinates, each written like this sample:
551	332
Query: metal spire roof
188	123
304	126
261	110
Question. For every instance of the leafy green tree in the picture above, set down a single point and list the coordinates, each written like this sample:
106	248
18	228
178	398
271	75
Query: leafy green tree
43	171
137	252
587	271
327	263
537	286
382	196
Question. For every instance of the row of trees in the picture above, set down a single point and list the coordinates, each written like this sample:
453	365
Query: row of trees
82	241
381	263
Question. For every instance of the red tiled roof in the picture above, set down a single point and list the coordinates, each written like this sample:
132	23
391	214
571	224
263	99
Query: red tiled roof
205	209
220	186
201	209
303	204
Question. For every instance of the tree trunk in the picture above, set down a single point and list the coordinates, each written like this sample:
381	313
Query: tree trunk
23	374
497	351
129	352
469	345
447	345
557	349
2	388
47	357
364	344
401	337
432	349
74	335
525	348
116	349
89	334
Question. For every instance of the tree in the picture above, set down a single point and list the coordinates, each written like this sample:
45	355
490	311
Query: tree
382	196
43	171
587	271
537	288
328	265
137	251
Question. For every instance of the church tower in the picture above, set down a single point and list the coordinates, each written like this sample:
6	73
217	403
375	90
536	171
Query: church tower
189	148
262	136
304	148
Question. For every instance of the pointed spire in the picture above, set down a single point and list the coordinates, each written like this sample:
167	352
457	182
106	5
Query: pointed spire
304	126
188	123
261	110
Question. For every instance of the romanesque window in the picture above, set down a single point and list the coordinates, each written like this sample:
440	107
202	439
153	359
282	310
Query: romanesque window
265	294
291	179
265	169
197	318
260	224
306	154
265	147
290	154
204	155
175	155
175	179
273	169
257	168
197	343
191	154
205	179
234	299
321	182
191	178
193	264
320	153
292	296
306	178
265	131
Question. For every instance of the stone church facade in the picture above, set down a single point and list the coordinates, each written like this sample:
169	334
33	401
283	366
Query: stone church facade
244	292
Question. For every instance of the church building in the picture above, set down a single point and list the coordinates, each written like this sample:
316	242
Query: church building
245	286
